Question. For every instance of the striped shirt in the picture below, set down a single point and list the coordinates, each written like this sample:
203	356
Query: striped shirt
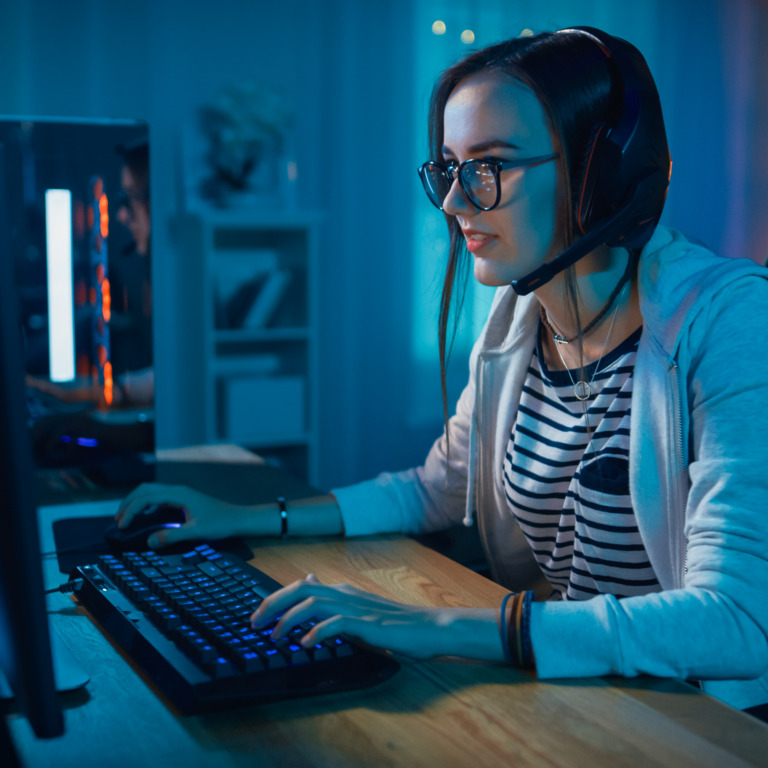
567	484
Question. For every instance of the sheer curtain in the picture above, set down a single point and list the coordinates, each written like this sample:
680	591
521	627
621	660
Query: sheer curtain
711	69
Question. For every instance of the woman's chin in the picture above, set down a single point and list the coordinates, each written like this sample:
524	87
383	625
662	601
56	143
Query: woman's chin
491	274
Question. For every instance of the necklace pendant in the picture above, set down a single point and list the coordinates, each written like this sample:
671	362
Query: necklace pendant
582	390
558	339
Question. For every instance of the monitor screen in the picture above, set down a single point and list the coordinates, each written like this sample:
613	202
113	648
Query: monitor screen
75	200
25	654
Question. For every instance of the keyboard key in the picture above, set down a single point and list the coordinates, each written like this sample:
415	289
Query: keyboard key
342	647
249	661
192	558
173	570
205	653
296	654
221	667
321	652
169	619
273	659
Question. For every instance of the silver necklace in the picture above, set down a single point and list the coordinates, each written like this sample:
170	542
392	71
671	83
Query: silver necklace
582	390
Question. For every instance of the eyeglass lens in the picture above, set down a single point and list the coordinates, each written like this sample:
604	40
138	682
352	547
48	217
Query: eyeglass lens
478	181
436	183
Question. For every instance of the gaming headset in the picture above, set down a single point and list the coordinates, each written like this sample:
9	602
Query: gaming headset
626	170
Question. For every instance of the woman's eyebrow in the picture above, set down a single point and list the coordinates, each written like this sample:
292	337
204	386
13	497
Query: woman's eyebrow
484	146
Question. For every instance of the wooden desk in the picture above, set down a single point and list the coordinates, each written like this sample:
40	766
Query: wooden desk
429	714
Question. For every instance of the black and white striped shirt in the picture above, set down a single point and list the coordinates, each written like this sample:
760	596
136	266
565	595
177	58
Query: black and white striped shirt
568	484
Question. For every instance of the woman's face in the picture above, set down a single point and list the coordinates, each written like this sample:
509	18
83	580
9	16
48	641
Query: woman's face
135	213
492	116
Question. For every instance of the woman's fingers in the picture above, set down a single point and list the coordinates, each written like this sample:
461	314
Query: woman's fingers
167	536
145	496
342	609
338	625
334	616
346	598
280	601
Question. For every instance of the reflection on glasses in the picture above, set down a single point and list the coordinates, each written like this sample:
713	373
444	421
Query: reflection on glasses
478	179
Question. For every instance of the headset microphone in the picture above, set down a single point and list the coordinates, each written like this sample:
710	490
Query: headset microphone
621	196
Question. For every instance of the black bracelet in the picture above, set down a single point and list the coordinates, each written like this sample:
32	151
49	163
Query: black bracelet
283	517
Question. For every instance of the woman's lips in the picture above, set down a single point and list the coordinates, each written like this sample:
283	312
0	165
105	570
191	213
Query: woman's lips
477	240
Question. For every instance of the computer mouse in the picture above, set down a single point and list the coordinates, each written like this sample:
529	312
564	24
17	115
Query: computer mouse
133	538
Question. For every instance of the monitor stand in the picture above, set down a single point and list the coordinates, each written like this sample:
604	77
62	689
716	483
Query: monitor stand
67	671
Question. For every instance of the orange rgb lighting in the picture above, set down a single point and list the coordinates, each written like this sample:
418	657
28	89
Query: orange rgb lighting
104	212
106	301
108	394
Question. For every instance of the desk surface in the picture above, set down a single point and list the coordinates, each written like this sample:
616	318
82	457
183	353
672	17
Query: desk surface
442	713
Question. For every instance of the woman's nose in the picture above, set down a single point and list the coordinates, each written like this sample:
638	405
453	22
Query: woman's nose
456	203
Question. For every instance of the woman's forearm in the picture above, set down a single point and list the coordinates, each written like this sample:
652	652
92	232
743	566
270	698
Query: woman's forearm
313	516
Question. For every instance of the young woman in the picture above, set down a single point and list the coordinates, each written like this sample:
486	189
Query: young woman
610	441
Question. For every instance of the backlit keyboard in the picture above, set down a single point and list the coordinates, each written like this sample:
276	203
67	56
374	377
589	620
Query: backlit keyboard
184	620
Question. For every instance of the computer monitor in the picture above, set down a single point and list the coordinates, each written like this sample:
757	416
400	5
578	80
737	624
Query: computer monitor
25	651
75	198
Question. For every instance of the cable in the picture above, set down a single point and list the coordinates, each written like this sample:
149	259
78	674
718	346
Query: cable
70	586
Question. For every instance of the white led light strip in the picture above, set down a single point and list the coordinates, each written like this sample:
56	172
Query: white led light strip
61	316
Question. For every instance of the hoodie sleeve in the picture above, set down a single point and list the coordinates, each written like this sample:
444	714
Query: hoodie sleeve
714	626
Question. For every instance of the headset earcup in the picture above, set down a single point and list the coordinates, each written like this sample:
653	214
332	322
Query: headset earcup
597	193
584	192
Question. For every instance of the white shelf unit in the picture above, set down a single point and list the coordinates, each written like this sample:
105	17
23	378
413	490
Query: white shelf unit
252	312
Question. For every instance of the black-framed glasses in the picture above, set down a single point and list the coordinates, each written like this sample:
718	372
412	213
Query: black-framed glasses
478	179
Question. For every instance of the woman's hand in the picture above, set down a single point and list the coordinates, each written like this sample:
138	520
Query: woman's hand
209	518
408	629
206	517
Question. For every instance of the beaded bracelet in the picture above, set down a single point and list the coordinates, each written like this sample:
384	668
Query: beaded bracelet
504	627
515	629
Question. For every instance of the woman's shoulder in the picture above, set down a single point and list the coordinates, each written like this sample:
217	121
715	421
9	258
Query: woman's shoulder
671	260
679	277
